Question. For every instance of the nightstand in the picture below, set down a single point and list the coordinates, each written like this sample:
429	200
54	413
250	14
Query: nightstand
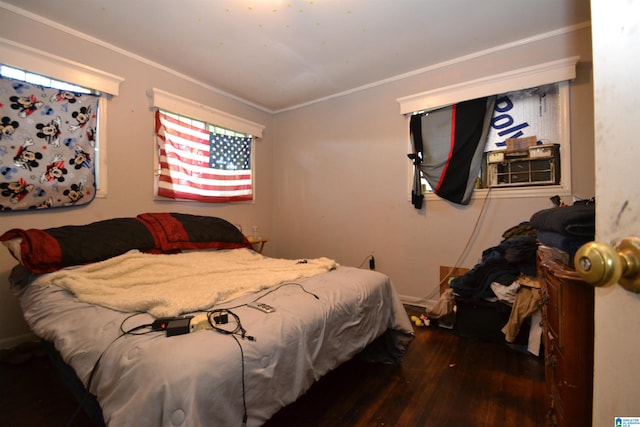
259	242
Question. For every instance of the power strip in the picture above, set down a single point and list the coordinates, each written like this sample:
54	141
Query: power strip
200	322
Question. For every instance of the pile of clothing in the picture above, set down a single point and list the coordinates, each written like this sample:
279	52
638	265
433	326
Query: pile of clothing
497	297
503	264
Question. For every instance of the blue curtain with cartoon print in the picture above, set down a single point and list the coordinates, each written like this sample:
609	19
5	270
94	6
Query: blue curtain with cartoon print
47	146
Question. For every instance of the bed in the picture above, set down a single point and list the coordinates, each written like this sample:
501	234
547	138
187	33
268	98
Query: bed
159	329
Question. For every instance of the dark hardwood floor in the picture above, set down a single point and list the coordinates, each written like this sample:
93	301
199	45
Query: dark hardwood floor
444	380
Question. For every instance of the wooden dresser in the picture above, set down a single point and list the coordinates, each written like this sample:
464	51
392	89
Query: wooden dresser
567	320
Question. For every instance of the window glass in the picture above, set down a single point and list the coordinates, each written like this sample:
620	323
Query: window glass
526	113
41	80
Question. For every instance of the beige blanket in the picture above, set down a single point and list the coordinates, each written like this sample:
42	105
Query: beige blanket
169	285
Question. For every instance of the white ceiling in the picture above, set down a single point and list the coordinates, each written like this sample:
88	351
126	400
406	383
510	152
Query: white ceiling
278	54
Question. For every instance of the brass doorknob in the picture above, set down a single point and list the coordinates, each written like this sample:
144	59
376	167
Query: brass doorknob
600	264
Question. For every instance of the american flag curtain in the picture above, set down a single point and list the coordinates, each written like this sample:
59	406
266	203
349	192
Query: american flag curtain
196	164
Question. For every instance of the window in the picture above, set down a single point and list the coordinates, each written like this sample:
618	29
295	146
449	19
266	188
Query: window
525	140
40	80
59	70
517	114
49	142
202	162
202	154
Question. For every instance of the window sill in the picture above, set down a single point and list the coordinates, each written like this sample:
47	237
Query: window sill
513	192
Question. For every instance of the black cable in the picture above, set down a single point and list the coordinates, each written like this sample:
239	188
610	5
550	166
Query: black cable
245	415
273	290
286	284
130	331
436	290
124	332
365	260
239	330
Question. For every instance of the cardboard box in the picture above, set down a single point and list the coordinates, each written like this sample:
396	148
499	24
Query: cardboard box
517	144
449	272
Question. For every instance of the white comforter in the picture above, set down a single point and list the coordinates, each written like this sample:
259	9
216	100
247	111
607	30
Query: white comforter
169	285
196	379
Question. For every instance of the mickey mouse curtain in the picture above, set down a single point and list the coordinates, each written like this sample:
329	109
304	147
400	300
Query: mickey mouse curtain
47	146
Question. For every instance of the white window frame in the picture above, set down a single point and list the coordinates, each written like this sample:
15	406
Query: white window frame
162	100
40	62
560	71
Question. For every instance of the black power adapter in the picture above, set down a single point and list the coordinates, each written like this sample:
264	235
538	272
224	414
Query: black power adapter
173	325
372	263
178	327
161	323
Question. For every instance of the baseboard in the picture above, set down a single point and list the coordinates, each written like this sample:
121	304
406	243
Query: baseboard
6	343
418	302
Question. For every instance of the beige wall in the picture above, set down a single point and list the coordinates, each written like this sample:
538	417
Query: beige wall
331	177
341	173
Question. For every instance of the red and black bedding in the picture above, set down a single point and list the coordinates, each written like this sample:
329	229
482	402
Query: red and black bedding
44	251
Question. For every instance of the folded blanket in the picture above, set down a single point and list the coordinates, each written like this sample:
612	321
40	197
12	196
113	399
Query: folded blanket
169	285
565	242
576	220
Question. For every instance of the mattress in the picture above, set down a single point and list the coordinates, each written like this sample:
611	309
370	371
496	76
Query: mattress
210	377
